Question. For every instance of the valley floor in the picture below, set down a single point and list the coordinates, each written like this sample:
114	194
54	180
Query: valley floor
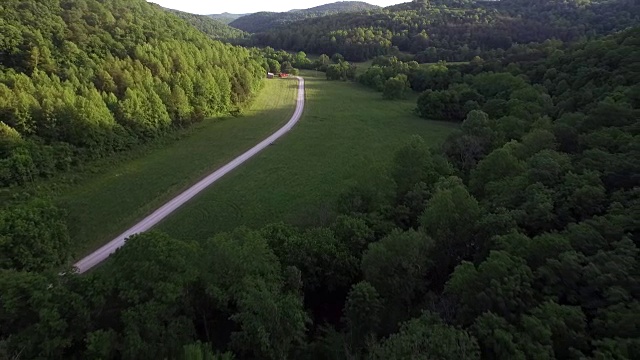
108	202
347	133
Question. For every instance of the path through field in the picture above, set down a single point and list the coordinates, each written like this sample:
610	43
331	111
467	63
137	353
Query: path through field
147	223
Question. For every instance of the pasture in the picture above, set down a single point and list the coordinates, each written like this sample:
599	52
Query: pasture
348	132
103	204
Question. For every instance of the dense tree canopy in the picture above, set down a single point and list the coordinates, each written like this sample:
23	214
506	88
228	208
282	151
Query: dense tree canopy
263	21
217	29
87	78
451	30
518	238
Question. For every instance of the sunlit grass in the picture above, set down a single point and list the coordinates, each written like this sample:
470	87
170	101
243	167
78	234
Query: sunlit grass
104	204
346	131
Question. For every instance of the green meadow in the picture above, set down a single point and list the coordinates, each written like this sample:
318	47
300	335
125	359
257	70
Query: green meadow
103	204
347	133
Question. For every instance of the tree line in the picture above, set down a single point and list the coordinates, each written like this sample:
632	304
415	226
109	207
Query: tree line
451	30
213	27
85	79
517	238
264	20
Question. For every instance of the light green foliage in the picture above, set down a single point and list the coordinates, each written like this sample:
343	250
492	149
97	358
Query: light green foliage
341	71
70	71
9	138
427	337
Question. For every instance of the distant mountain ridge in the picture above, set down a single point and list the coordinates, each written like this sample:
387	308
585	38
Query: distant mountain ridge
216	29
226	17
451	30
264	21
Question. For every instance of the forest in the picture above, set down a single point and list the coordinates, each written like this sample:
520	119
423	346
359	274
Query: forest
516	239
217	29
451	30
225	18
263	21
86	79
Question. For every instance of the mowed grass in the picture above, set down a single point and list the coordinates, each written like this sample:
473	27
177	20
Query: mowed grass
348	132
111	201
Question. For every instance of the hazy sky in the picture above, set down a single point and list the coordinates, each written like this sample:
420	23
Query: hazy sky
251	6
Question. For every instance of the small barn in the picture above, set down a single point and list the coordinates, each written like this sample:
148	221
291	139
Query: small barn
270	75
284	75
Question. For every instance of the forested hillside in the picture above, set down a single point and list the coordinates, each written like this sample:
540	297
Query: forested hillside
226	17
263	21
452	30
517	239
87	78
215	28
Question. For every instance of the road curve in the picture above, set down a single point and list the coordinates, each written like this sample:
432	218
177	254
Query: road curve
165	210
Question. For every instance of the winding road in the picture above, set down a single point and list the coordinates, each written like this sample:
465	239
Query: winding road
165	210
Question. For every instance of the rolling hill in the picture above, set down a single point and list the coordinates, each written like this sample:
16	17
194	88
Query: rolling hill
226	17
93	78
263	21
452	30
210	26
216	29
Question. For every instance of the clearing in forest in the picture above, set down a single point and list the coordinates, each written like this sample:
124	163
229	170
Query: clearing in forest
104	204
347	133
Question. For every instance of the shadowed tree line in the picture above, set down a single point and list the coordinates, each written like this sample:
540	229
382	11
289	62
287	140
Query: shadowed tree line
451	30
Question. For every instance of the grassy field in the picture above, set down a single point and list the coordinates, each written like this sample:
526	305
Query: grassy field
346	133
110	201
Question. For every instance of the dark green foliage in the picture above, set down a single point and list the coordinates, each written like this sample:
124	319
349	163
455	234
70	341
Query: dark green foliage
448	30
225	17
396	87
518	239
280	61
362	316
85	79
33	237
263	21
397	266
341	71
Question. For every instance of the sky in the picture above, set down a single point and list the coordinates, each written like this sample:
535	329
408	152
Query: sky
205	7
